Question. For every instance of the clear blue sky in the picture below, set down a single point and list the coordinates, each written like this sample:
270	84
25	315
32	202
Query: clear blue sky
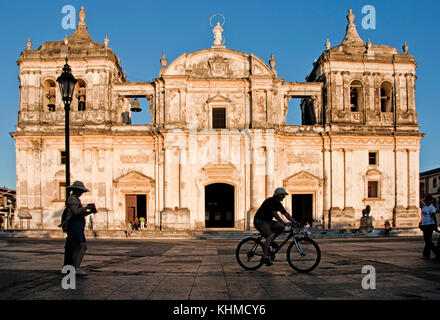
295	31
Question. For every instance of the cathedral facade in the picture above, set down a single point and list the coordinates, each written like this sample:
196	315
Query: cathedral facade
218	144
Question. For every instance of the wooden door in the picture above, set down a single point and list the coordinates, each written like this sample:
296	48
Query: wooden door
130	207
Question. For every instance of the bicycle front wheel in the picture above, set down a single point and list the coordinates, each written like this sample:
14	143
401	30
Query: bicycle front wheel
249	253
304	256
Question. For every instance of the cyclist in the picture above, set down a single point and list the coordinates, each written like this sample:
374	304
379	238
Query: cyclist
269	228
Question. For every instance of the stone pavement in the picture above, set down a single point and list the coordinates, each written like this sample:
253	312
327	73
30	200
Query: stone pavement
206	269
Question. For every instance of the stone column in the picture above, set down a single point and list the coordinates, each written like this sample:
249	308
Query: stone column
326	169
349	211
38	207
36	221
172	218
402	178
246	158
183	174
346	91
258	173
34	183
413	178
167	178
108	178
396	102
158	178
100	193
410	92
95	176
337	188
270	171
369	93
166	106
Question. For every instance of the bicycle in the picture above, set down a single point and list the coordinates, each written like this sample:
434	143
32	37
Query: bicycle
303	254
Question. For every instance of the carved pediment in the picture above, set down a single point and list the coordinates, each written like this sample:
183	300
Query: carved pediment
134	178
218	98
373	172
218	63
303	179
60	175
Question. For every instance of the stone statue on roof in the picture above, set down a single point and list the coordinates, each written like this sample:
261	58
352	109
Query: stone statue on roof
218	30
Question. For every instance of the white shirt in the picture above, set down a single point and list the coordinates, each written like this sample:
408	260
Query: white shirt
427	212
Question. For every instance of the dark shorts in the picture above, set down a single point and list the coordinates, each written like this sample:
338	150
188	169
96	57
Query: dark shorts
77	236
76	232
266	228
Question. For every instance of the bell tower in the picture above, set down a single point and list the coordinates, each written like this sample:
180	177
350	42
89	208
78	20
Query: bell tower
94	65
40	130
367	84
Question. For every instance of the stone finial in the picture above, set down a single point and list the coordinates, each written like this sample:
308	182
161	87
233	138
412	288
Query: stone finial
82	15
368	45
66	40
163	61
106	41
327	45
350	16
351	35
29	44
405	47
272	61
82	18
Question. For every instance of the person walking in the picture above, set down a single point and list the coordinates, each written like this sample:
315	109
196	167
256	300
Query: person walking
387	228
90	223
73	222
129	227
428	225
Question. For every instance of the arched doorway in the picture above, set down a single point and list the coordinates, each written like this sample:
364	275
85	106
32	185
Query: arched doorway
302	208
219	206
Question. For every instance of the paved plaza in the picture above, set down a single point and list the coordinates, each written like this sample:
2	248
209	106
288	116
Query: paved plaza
207	270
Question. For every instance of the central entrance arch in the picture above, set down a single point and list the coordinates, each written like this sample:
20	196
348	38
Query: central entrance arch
219	206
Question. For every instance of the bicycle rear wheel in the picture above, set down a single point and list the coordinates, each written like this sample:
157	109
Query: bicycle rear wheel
249	253
305	257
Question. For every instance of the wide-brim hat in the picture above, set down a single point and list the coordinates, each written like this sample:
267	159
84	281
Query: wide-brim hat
78	185
280	191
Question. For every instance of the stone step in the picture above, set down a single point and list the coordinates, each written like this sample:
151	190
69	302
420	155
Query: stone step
202	234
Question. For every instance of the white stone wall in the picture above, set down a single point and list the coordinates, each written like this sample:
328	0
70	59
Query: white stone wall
175	158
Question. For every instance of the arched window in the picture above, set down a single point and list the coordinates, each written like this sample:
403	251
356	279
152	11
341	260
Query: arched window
386	90
373	183
49	97
355	96
80	94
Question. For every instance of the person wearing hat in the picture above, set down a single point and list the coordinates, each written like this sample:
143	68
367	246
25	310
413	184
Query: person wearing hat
428	225
269	228
74	221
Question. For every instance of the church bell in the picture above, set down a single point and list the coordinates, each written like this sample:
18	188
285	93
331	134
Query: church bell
135	106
